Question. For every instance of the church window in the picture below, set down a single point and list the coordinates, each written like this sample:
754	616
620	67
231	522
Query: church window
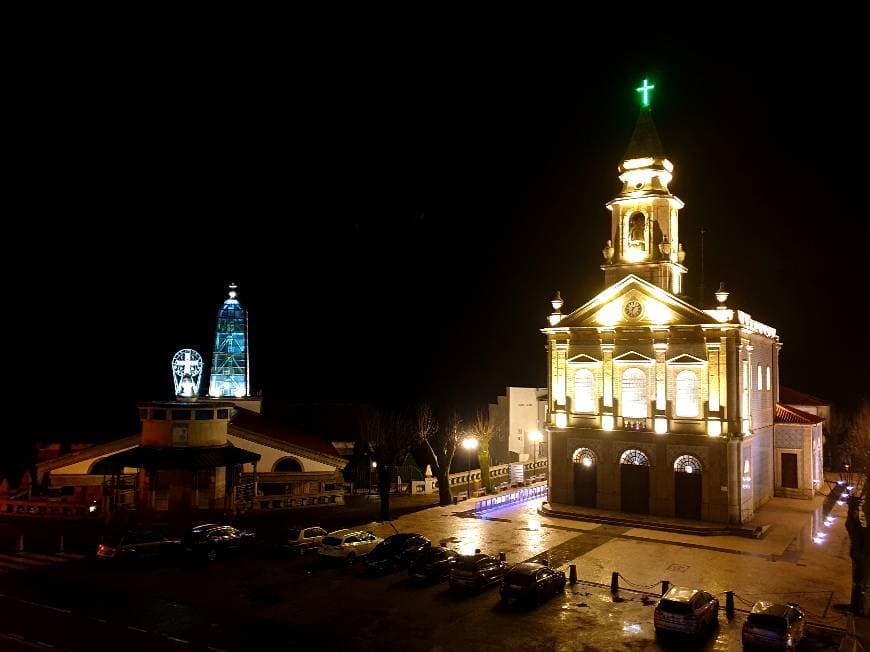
636	230
634	390
223	414
687	394
768	379
584	391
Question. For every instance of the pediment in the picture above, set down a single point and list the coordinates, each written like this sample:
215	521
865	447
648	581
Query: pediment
685	358
633	356
633	301
583	358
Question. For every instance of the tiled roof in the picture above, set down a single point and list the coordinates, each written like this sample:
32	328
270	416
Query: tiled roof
257	423
785	414
794	397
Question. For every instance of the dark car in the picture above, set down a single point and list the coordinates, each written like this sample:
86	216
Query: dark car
531	582
138	545
779	626
433	564
474	572
210	541
396	551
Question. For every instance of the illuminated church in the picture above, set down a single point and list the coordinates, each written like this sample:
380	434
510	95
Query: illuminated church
658	406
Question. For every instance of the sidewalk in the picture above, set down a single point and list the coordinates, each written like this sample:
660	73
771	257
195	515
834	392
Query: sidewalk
650	522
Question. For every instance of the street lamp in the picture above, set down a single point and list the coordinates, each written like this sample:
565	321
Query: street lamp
536	437
469	444
372	474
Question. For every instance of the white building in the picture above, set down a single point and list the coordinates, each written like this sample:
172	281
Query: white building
519	413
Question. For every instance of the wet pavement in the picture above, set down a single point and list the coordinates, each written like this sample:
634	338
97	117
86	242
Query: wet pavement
252	601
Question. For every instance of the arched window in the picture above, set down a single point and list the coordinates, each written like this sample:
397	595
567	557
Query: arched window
634	403
760	385
584	391
634	456
687	464
687	394
768	379
288	465
584	456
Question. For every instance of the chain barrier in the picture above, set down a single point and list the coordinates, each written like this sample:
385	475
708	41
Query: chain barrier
639	586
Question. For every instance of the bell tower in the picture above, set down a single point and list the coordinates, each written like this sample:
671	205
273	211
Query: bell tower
645	215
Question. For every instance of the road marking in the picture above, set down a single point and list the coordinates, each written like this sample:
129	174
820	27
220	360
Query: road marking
38	645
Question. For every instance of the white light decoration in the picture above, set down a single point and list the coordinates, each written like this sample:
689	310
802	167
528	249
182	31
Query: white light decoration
607	422
714	427
187	372
661	426
561	420
587	462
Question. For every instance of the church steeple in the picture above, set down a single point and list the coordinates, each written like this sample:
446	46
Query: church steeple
645	215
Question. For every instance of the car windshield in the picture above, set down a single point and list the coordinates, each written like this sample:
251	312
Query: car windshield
293	534
471	564
331	541
767	621
671	607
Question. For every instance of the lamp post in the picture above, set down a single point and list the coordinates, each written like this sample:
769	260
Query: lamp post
373	474
469	444
536	438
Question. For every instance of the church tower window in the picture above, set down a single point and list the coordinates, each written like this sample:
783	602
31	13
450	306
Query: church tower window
584	391
760	384
687	394
634	391
768	378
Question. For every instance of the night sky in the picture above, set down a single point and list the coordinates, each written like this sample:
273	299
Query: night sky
397	221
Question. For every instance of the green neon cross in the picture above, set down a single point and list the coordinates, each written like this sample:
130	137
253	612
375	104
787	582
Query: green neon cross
645	89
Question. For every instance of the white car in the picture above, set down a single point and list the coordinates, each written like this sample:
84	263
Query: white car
686	610
348	544
301	540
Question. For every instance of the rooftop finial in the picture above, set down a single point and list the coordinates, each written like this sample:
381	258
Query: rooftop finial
721	294
645	89
233	287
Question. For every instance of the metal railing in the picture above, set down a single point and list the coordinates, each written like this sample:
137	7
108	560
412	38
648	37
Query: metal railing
510	498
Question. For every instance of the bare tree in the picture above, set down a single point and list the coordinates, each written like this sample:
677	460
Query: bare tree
855	453
483	428
440	444
388	436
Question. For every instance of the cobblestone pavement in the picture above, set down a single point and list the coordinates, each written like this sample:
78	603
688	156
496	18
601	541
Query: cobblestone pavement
246	602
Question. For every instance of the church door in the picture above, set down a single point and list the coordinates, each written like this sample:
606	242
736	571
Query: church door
789	463
634	481
585	484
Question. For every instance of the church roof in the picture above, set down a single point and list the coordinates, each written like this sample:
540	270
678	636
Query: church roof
786	414
645	139
252	422
793	397
167	457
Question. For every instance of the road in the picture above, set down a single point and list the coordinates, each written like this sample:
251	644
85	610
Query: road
249	602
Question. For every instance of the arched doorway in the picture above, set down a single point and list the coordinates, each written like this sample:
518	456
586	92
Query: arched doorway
585	478
687	487
287	465
634	481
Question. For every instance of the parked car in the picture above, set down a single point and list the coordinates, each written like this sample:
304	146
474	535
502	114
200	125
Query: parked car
778	626
301	540
210	540
396	551
349	545
138	545
531	582
685	610
476	572
433	564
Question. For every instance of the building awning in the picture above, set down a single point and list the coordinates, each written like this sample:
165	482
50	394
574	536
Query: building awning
206	457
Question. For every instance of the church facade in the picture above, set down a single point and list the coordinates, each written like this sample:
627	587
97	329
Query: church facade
656	405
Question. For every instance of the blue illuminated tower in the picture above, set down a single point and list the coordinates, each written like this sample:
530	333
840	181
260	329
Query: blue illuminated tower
230	367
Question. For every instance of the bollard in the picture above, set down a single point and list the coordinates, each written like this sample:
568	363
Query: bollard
614	582
572	573
19	543
502	556
477	551
665	586
60	545
729	604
